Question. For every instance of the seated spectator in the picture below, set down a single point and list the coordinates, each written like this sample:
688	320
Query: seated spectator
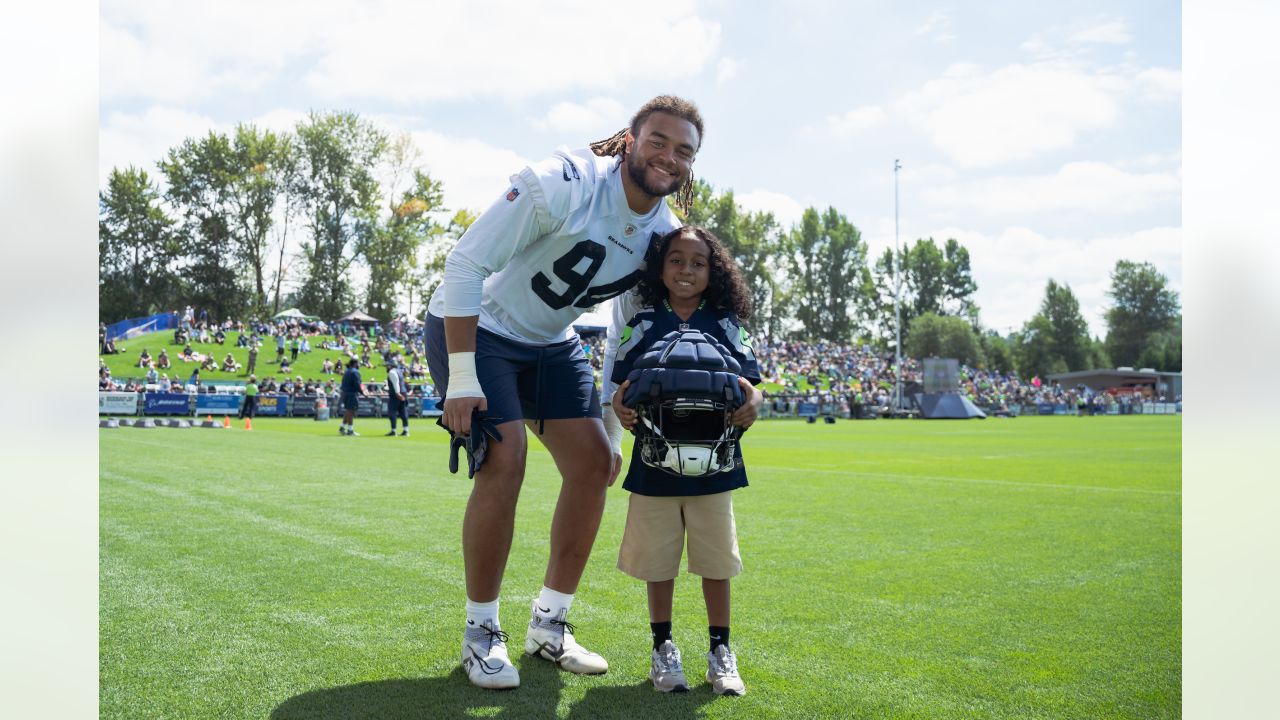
209	363
162	360
109	347
229	364
326	367
284	365
187	353
329	387
220	337
242	340
144	359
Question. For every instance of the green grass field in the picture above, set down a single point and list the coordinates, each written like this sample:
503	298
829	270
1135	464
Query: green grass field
1026	568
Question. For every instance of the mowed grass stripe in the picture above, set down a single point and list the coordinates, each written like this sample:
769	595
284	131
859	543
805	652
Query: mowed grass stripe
229	588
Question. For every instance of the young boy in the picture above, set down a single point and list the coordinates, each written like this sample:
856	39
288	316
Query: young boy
697	286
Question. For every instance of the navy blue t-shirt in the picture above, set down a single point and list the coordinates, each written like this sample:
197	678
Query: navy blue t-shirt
647	327
351	381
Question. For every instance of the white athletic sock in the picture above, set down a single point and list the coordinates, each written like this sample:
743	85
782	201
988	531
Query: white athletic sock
477	613
551	602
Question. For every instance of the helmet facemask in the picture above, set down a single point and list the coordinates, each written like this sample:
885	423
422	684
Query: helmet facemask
685	391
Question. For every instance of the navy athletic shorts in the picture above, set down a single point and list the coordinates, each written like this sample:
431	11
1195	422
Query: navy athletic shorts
350	401
530	382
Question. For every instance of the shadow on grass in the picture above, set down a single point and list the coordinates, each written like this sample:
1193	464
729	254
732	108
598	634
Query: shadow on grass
452	696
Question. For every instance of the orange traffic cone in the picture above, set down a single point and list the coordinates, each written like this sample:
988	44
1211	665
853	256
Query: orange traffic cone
226	421
248	423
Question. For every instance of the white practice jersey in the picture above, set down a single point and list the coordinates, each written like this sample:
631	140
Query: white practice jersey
559	241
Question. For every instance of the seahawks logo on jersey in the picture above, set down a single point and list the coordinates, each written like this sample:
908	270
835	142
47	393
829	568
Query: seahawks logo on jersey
738	338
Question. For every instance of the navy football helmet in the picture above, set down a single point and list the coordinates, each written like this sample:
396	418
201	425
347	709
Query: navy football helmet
684	390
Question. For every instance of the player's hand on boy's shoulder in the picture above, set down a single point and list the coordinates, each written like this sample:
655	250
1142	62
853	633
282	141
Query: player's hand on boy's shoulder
744	416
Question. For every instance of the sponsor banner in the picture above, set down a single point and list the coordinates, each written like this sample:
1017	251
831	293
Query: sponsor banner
806	409
273	404
304	405
1045	408
167	404
428	408
222	404
117	403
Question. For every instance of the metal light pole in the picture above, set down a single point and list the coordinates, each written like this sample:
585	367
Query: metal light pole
897	290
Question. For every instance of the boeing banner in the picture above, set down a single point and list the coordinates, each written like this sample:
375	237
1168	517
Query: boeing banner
429	408
163	403
220	404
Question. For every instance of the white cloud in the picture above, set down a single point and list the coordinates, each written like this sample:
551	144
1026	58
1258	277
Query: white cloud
1016	112
1111	32
937	26
727	69
1160	81
786	210
602	116
474	172
402	52
144	138
1081	187
1012	268
856	120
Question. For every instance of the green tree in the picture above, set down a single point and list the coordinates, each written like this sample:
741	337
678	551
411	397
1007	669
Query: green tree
1033	349
338	190
391	251
934	280
943	337
263	165
998	353
200	174
429	270
1069	333
137	249
1143	314
826	256
753	239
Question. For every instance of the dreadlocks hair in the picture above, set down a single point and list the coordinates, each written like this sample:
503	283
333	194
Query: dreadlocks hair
616	144
726	290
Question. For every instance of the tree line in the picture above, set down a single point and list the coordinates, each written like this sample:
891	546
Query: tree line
349	195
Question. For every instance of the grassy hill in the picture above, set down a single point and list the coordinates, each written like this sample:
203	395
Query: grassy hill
124	364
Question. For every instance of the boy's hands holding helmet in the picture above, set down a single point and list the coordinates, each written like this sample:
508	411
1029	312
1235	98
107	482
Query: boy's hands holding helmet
626	415
744	416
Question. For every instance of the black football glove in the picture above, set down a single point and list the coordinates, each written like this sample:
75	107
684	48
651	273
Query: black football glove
476	444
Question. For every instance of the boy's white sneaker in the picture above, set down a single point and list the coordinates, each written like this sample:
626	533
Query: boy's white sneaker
722	672
550	637
665	670
484	657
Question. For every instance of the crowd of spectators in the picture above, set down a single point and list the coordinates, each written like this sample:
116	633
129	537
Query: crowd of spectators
840	377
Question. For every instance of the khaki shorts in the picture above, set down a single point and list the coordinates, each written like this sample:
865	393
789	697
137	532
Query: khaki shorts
656	528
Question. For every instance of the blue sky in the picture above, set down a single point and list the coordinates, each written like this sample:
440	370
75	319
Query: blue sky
1046	137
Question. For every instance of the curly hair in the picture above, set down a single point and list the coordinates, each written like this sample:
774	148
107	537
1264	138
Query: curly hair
616	145
726	290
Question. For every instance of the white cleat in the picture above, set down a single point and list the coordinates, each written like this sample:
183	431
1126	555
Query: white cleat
484	657
550	637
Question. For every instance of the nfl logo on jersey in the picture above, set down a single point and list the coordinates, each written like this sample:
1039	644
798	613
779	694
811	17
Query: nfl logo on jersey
511	196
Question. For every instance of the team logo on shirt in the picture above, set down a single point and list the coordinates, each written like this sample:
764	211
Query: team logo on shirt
511	196
629	230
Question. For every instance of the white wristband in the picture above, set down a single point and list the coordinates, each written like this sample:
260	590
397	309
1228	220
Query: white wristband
462	376
612	428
